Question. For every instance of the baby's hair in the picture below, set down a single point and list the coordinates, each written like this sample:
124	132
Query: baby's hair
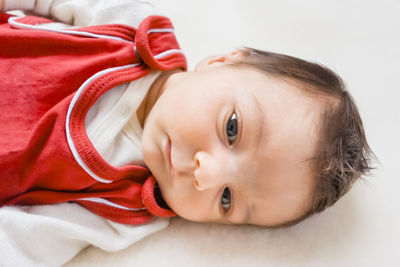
343	154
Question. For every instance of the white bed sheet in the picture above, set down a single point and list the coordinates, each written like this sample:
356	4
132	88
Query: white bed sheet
358	39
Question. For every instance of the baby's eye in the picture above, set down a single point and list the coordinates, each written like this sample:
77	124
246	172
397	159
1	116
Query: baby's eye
226	199
231	128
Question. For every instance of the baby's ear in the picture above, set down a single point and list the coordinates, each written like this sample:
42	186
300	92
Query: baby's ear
217	60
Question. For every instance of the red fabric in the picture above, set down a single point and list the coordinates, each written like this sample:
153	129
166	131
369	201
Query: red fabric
41	72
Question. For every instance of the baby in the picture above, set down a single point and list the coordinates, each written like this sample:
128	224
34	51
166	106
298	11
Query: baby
248	137
253	137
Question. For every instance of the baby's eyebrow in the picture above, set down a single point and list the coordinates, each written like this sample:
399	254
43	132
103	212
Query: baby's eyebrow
260	120
260	128
248	216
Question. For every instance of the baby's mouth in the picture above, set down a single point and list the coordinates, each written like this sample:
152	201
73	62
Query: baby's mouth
168	154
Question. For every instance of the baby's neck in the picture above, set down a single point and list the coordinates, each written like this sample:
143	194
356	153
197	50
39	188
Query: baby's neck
154	93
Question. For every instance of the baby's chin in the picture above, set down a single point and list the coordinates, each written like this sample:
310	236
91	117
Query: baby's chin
156	169
151	155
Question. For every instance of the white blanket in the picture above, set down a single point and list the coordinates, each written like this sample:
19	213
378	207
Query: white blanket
53	234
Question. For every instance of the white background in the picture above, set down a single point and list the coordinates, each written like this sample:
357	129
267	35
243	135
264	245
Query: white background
360	40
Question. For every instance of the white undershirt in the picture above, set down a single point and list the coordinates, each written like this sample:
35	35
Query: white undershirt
113	126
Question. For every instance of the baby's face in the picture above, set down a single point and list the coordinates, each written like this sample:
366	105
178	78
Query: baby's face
229	144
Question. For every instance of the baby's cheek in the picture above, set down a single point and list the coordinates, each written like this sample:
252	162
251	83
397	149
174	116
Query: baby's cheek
192	208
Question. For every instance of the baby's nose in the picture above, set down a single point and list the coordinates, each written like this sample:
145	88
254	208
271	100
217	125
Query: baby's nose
208	172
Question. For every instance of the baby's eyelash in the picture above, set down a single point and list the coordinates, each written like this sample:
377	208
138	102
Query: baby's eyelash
226	198
232	128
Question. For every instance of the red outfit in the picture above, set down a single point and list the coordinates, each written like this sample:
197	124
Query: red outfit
49	81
